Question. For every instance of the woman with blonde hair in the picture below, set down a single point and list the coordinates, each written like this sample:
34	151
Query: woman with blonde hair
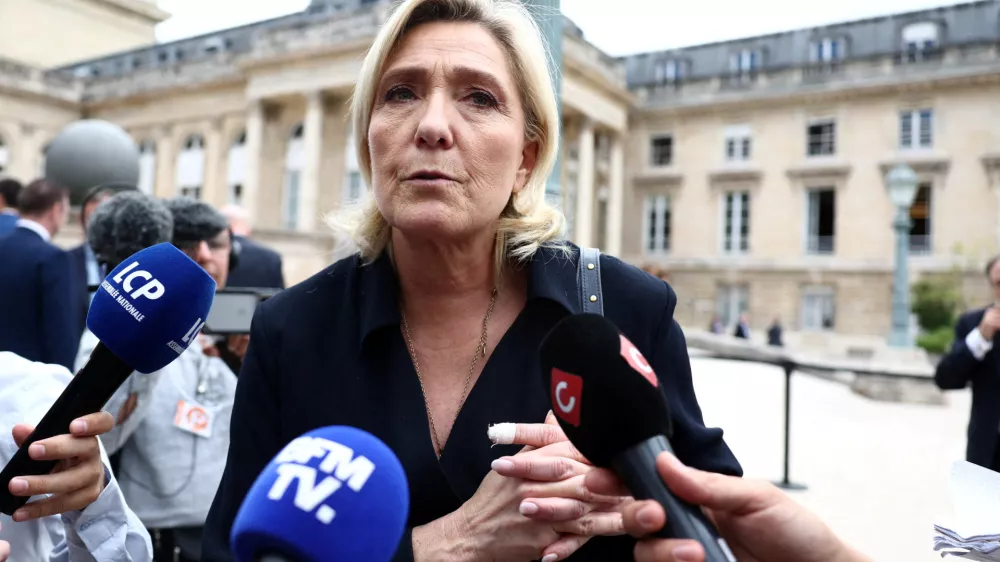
430	333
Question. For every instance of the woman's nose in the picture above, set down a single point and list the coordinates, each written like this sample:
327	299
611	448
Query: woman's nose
434	129
202	253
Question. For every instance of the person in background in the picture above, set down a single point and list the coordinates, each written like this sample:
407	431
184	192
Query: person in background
743	327
774	333
118	228
258	267
85	518
86	270
716	326
974	359
10	189
171	468
36	289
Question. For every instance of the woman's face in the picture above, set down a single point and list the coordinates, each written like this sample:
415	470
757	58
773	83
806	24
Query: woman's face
447	134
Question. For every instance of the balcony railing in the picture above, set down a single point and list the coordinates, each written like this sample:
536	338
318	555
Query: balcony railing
820	245
820	71
916	56
740	80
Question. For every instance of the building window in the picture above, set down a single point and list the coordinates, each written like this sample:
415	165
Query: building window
236	169
191	167
736	222
826	50
661	150
730	302
147	166
817	308
41	160
738	143
920	221
821	217
294	164
744	62
916	128
4	155
821	138
669	71
920	40
657	229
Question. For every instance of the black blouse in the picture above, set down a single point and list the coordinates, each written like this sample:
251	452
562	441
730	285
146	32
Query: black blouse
328	351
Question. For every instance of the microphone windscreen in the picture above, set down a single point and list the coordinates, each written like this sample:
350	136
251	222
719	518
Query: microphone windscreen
126	223
604	393
335	493
151	307
90	153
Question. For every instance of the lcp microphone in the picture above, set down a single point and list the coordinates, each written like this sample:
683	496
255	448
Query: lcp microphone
607	400
145	314
335	494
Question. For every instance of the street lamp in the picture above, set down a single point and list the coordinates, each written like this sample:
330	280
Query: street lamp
901	182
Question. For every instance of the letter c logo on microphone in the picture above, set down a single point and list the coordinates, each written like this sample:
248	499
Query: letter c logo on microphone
567	393
634	358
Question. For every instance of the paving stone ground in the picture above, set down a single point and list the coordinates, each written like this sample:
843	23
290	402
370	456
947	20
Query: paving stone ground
877	472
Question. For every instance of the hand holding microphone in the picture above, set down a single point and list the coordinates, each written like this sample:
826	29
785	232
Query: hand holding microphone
78	479
608	401
145	314
759	521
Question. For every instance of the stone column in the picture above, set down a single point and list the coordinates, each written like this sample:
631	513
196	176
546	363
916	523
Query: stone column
213	186
23	153
313	146
584	219
166	163
616	196
253	152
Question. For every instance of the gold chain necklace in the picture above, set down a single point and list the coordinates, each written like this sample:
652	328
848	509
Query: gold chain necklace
480	349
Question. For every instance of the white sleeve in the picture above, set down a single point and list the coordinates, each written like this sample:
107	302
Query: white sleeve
105	531
977	344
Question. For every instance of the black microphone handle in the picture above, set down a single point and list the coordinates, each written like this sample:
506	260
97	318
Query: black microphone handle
637	468
86	393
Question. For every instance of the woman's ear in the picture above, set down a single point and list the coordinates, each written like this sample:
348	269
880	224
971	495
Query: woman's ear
529	158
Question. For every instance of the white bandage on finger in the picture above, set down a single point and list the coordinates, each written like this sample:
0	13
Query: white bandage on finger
502	433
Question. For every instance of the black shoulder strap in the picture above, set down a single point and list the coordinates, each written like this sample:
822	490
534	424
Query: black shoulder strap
589	281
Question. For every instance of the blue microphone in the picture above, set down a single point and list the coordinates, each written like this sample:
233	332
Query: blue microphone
145	314
334	494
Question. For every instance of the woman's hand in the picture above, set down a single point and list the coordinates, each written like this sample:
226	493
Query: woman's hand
757	520
555	492
78	478
541	509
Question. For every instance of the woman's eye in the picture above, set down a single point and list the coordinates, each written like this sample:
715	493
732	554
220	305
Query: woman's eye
483	99
399	93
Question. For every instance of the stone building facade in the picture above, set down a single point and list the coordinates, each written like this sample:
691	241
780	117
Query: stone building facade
751	170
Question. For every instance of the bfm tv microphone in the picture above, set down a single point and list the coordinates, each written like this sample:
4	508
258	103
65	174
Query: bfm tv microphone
607	400
334	494
145	314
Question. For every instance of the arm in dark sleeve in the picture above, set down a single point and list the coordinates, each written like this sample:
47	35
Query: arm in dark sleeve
696	445
955	369
59	311
254	440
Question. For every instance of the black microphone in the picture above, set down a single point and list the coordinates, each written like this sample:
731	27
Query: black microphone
607	400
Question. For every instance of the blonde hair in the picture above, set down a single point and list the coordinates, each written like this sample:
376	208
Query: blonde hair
528	221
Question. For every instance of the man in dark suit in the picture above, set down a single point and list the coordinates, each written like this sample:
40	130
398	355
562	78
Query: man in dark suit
36	291
973	359
10	188
257	267
86	270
